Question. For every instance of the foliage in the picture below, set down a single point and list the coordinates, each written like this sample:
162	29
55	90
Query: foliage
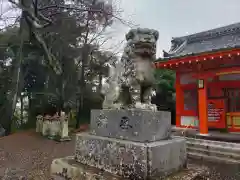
165	80
53	55
165	91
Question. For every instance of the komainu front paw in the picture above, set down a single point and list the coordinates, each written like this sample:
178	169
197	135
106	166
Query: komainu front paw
152	107
144	106
139	105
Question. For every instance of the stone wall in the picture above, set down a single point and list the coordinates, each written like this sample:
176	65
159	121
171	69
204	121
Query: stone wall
54	127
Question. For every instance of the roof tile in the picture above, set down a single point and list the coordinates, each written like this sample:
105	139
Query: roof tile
212	40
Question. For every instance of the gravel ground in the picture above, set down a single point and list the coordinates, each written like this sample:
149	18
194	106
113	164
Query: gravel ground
219	171
32	154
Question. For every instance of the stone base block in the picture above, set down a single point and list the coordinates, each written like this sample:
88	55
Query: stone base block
64	139
133	125
133	160
68	169
59	139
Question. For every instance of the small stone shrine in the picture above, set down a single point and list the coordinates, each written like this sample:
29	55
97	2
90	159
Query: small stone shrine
128	138
54	127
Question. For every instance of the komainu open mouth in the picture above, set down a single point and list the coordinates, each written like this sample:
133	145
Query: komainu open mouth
144	45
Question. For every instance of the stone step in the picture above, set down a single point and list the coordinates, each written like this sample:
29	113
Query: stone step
213	147
215	151
201	156
208	152
215	143
67	167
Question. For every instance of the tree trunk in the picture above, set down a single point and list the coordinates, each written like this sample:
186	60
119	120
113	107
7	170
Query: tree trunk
12	98
29	107
82	81
100	77
14	88
82	90
62	95
21	101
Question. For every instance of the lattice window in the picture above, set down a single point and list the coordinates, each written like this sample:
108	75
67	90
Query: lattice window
233	96
190	100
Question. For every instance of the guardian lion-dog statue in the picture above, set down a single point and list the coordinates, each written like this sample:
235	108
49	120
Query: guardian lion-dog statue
130	82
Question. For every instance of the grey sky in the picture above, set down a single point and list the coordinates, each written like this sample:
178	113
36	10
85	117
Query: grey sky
170	17
178	17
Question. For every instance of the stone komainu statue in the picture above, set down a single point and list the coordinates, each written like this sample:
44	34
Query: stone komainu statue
130	81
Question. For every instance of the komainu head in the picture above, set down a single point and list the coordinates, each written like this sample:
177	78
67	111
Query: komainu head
142	41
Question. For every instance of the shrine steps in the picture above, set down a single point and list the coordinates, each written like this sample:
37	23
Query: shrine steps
212	135
200	156
216	151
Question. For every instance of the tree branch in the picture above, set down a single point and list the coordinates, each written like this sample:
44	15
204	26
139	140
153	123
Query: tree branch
70	8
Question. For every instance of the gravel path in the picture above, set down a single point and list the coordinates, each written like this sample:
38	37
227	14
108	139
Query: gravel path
31	153
220	171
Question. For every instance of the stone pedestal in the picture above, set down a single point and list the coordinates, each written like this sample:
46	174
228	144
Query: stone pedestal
131	144
132	125
133	160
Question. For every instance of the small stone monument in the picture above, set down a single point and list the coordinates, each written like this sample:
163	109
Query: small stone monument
128	138
46	128
63	127
39	123
54	127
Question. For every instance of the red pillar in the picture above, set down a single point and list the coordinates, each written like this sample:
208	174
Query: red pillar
202	106
179	100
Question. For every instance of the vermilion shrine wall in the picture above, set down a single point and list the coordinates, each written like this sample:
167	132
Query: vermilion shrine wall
216	90
190	106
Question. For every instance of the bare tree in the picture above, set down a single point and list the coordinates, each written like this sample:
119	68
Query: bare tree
36	17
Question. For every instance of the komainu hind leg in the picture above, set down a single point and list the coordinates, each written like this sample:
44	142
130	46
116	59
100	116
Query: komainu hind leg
147	97
135	92
125	97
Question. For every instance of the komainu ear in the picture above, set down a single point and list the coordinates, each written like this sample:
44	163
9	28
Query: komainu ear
130	34
156	34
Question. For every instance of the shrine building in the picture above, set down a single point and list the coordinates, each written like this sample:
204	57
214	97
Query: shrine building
207	66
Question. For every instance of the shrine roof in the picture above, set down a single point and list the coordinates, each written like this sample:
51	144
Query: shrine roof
223	38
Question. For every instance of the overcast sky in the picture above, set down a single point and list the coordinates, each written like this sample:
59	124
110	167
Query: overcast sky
174	18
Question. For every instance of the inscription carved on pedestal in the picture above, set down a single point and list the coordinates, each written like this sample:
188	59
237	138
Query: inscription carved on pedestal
124	123
102	120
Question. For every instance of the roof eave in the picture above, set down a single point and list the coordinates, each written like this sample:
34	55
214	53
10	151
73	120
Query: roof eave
169	59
